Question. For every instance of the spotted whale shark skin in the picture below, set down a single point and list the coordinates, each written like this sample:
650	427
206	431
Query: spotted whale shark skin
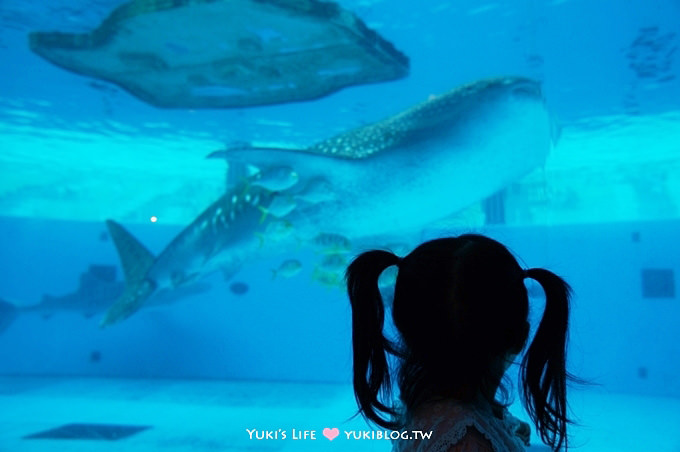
223	237
393	176
422	164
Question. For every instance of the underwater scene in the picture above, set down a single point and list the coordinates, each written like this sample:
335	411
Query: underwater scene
184	183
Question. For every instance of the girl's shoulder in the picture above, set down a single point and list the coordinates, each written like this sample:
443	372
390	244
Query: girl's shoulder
448	425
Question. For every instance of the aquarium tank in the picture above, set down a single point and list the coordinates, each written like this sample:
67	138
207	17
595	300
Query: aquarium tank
183	185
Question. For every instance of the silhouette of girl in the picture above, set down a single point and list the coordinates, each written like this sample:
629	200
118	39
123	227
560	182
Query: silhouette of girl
460	308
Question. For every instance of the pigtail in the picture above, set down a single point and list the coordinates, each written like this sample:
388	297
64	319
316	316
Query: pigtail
371	371
543	372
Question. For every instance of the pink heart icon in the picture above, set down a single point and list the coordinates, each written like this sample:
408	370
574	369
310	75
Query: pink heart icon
331	433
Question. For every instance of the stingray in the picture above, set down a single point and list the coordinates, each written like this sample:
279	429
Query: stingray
227	53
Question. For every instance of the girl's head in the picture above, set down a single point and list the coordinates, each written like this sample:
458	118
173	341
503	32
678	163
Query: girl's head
460	301
460	307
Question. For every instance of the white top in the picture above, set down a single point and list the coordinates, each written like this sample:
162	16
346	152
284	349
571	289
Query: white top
459	427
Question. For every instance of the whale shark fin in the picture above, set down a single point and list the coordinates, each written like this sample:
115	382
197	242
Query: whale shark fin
134	257
136	261
419	123
232	150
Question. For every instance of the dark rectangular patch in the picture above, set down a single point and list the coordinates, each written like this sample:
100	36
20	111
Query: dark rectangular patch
494	208
658	283
100	432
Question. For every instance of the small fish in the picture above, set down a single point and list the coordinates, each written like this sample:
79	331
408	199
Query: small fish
239	288
287	269
332	243
279	229
329	279
280	206
316	191
334	263
276	179
276	231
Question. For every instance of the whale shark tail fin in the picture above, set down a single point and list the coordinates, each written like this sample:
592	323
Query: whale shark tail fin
136	260
134	257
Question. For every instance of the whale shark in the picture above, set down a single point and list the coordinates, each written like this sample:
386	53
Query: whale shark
390	177
98	288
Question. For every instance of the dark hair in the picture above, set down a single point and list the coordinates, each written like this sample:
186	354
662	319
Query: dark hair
460	307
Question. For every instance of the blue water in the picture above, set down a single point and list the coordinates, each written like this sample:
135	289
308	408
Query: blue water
604	212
